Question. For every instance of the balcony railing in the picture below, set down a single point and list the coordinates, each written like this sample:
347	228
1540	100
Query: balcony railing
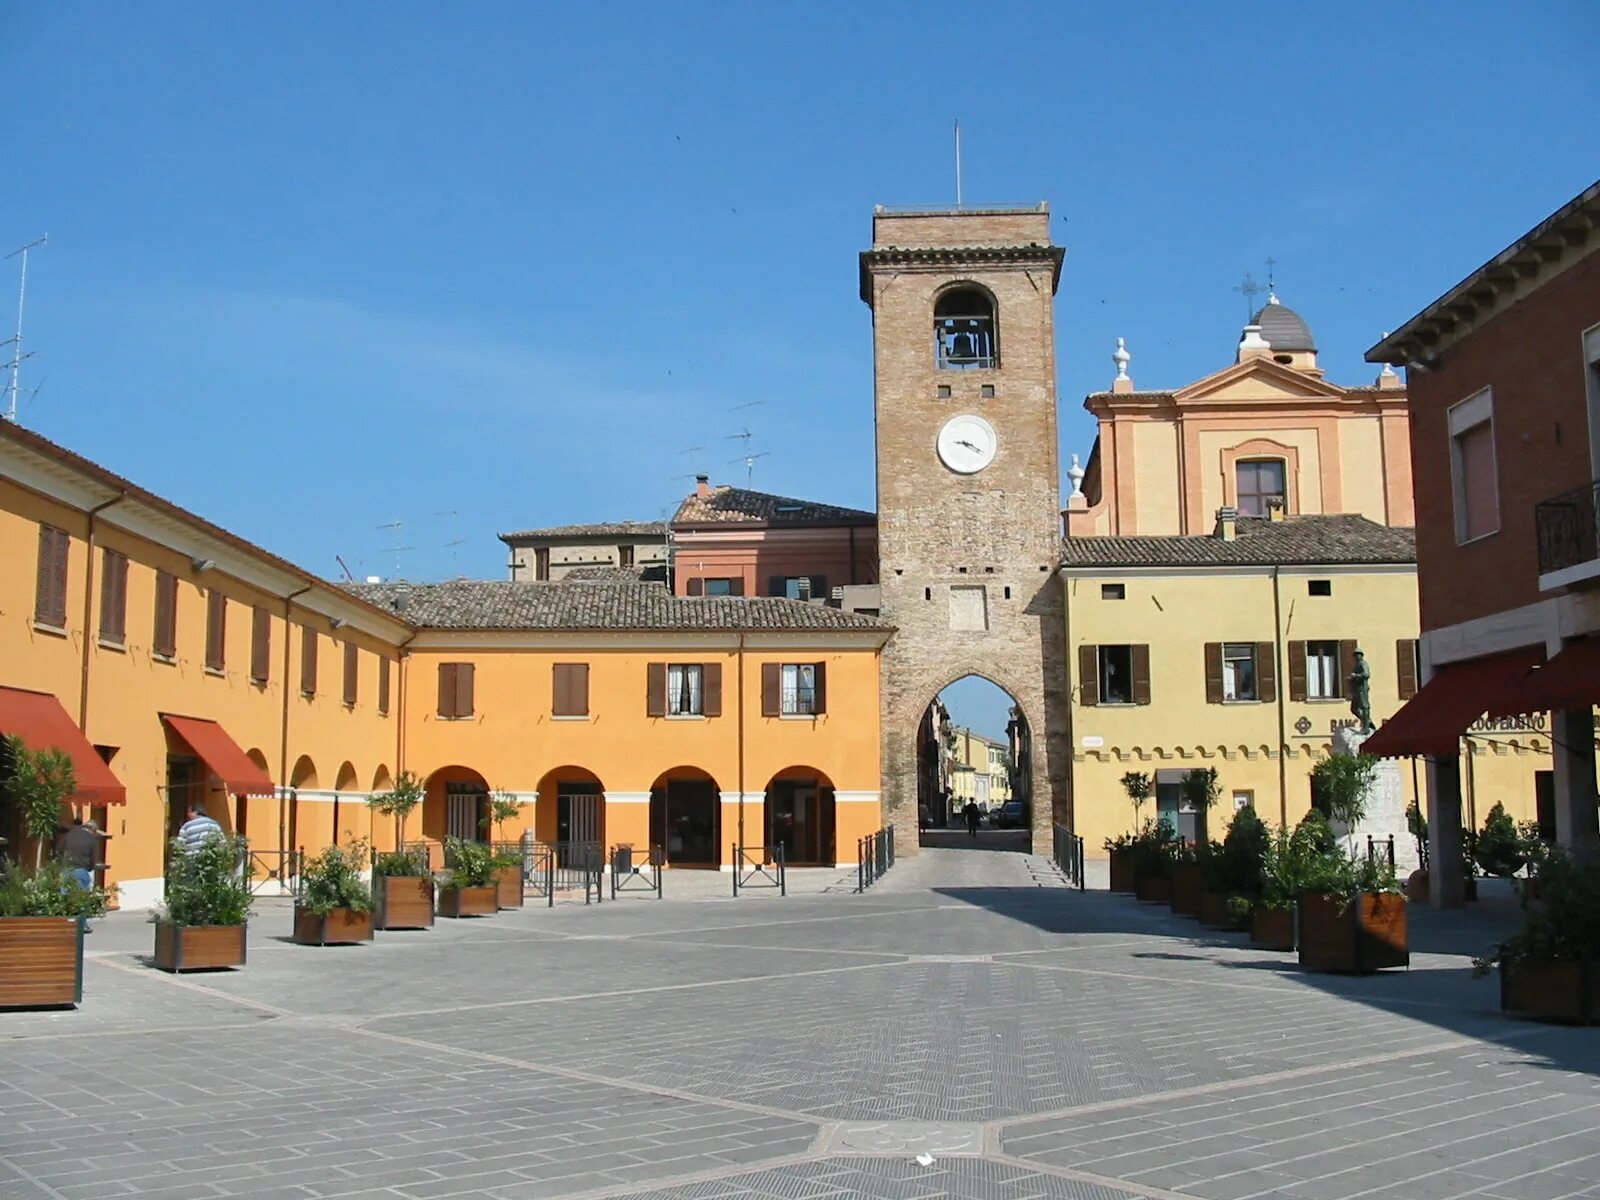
1567	526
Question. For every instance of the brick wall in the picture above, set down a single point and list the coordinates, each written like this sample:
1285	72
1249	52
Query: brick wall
1531	355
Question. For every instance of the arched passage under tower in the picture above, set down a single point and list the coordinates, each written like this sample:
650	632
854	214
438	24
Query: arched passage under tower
973	747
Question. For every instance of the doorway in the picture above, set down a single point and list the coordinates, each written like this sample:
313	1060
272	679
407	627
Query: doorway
686	821
580	819
800	818
183	777
466	807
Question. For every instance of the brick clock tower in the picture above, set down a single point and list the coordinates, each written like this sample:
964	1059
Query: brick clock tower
968	482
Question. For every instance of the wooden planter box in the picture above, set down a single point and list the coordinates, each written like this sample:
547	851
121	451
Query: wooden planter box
469	902
342	926
198	947
402	902
1187	886
1552	990
1121	871
1359	935
508	882
1272	928
1153	889
1214	912
41	962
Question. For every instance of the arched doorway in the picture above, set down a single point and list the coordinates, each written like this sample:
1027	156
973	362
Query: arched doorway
344	827
571	807
973	760
456	804
800	817
686	817
302	775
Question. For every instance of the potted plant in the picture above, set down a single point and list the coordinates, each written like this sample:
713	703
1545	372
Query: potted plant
1500	848
42	912
1233	873
469	889
1188	877
402	885
1138	786
1292	859
1550	969
1352	917
1154	849
507	859
334	905
1417	882
201	922
1340	784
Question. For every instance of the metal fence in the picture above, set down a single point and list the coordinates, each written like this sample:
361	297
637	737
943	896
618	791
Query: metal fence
874	856
554	871
1067	851
631	875
271	872
759	867
1381	849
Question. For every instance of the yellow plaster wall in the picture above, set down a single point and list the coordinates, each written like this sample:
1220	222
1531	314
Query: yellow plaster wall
1159	480
1361	469
1305	488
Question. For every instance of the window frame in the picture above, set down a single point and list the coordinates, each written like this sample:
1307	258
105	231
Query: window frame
1461	419
1103	652
679	706
1113	591
1335	656
789	699
1255	673
1282	495
53	579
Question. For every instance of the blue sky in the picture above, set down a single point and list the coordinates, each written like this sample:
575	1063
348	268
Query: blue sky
316	268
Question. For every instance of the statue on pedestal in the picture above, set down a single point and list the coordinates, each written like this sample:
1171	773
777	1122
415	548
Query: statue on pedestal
1360	692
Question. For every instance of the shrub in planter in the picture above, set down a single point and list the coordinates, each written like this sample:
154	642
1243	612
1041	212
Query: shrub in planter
1291	861
1233	872
1500	849
1352	917
201	922
1154	852
470	889
402	890
334	906
1120	849
507	864
1550	969
1188	879
42	921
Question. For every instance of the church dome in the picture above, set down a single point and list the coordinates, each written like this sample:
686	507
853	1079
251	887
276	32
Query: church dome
1282	328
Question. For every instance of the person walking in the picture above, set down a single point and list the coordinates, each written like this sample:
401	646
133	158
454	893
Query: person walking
80	849
971	813
198	829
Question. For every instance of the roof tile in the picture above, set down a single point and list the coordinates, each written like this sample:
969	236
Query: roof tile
734	505
1330	540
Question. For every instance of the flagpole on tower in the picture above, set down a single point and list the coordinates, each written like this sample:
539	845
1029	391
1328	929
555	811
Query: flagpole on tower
958	164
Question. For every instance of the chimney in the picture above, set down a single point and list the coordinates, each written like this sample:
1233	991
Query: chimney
1276	509
1227	524
702	485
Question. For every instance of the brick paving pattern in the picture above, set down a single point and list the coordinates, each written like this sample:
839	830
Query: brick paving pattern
969	1028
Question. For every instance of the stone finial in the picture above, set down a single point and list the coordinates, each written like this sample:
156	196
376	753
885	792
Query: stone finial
1122	358
1075	475
1387	377
1252	344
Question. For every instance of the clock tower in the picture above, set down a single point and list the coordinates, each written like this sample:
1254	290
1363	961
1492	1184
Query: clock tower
968	484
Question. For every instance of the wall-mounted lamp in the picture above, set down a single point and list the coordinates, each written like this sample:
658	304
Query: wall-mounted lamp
202	565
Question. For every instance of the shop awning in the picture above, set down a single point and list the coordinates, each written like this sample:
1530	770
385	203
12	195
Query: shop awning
210	741
1433	720
1569	680
40	721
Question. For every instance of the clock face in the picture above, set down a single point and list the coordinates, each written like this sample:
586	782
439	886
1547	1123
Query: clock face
967	444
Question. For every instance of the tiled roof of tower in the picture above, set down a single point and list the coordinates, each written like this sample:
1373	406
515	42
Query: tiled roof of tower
602	529
1294	541
506	604
727	505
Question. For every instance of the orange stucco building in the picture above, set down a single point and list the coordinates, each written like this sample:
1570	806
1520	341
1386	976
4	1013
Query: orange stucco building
195	666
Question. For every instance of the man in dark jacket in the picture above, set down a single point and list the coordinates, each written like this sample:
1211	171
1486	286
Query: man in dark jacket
972	814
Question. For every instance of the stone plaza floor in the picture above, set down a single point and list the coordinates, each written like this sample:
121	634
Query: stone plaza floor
970	1027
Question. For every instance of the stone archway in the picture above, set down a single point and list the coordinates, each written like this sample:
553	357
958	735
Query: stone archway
974	758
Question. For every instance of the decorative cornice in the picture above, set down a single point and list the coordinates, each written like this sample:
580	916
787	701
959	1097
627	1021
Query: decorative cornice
933	258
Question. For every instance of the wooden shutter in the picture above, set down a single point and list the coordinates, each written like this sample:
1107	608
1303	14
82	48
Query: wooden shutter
1347	664
819	690
113	597
1405	664
166	631
1297	671
711	689
655	690
260	645
736	586
771	689
466	681
1088	675
819	587
447	689
308	661
1140	656
775	585
216	630
569	689
1266	672
383	686
50	589
696	586
1213	672
352	672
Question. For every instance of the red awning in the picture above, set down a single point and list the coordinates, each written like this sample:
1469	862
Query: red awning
240	776
1569	680
1433	720
40	721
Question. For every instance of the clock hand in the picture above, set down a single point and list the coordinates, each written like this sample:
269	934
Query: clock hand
968	445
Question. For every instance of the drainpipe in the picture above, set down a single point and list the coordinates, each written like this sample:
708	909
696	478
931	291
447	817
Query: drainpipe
88	611
283	733
1279	672
402	656
740	665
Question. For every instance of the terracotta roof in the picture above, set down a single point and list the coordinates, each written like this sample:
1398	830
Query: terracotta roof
653	574
603	529
726	505
1282	327
1293	541
506	604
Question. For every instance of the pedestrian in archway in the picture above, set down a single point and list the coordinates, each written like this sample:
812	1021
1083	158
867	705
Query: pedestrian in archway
971	813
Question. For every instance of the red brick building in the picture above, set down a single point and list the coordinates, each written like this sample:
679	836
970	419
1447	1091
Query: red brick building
1503	372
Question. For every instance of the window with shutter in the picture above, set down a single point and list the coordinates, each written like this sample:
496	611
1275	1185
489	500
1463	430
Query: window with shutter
771	689
1141	674
711	679
1298	668
447	690
50	591
308	661
1116	674
216	630
165	640
1406	668
696	587
1089	675
819	689
655	690
1319	661
383	686
260	645
1266	672
466	702
570	688
113	597
1213	672
685	690
352	673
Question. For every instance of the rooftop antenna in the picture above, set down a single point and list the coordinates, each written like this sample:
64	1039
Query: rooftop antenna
340	560
1272	287
16	343
397	550
749	461
1249	289
958	162
455	553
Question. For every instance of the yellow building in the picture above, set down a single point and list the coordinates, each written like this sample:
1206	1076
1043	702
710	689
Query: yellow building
979	770
1230	546
178	662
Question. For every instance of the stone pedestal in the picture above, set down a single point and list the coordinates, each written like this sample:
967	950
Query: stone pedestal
1385	810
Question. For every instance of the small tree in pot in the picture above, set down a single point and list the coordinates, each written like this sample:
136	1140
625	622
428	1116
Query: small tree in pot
469	889
334	906
202	921
1294	860
1199	790
402	885
1154	851
1233	872
1339	787
1352	916
503	806
1120	848
39	786
1500	848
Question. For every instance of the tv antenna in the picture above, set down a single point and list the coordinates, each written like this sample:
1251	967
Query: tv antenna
958	162
455	552
17	355
749	461
397	550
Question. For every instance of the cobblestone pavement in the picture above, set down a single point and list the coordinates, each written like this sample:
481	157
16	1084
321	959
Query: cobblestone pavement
968	1028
